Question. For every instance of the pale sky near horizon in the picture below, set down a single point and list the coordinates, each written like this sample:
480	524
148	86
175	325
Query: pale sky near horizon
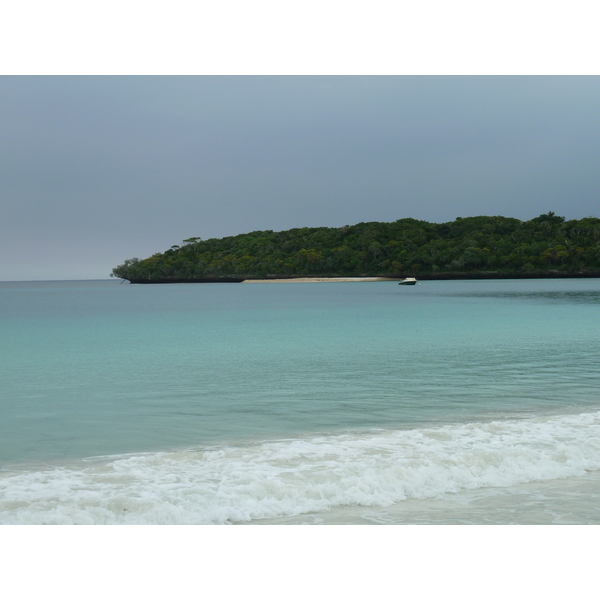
98	169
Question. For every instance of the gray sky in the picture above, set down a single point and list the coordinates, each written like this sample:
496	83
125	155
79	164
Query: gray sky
95	170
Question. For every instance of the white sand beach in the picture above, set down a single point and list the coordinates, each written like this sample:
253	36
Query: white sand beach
318	279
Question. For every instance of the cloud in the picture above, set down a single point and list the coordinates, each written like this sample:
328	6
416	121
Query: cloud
94	170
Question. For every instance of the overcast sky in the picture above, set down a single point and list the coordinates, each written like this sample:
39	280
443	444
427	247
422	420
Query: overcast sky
95	170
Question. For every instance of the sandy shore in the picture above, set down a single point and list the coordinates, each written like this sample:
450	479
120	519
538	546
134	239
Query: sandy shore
317	279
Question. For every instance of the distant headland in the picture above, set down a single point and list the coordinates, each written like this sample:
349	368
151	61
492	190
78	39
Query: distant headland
467	248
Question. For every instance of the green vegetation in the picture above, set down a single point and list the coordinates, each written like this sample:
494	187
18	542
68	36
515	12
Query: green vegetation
470	247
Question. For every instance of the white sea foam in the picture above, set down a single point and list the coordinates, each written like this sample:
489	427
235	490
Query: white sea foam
295	476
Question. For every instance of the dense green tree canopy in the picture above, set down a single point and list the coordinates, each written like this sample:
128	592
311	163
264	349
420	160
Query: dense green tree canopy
473	246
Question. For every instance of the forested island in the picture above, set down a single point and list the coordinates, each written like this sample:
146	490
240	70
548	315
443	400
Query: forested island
467	248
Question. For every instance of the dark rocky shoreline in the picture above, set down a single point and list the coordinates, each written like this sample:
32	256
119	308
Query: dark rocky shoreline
421	277
492	275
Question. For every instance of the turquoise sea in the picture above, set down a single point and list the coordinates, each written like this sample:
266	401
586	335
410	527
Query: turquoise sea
446	402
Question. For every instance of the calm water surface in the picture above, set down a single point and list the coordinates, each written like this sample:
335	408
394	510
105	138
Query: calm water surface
300	402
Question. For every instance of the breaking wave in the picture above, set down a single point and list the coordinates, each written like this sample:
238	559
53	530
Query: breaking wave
236	484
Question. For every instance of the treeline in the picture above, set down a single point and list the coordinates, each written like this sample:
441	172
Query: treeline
473	246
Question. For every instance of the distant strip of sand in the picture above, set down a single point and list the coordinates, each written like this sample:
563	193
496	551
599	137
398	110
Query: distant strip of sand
318	279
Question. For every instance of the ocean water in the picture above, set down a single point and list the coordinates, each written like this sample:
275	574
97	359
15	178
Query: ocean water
446	402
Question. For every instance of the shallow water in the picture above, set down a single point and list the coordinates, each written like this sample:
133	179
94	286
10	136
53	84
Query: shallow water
449	402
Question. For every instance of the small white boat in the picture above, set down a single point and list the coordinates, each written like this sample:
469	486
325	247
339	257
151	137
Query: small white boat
408	281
